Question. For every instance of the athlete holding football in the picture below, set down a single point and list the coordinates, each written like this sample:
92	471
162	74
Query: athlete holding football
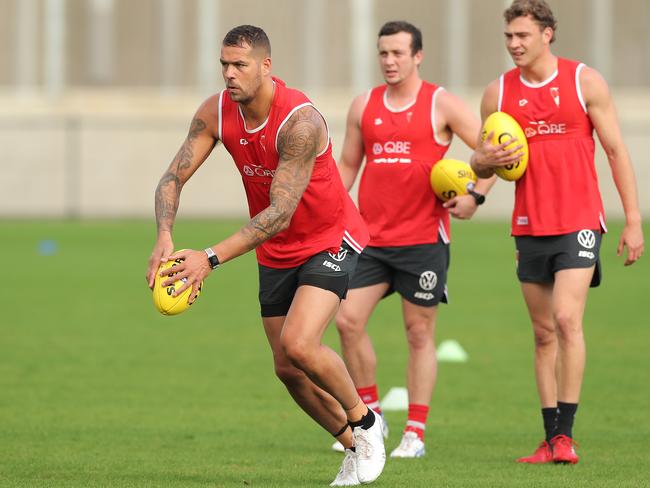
304	227
402	128
558	217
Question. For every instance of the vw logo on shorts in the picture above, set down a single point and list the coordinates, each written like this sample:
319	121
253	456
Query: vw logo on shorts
339	256
428	280
587	238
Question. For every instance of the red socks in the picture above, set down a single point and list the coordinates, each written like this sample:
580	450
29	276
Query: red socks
370	397
417	419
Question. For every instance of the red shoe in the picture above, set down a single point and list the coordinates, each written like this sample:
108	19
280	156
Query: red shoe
563	451
542	454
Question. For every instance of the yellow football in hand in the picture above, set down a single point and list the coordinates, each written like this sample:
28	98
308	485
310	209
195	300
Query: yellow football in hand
505	127
163	298
450	178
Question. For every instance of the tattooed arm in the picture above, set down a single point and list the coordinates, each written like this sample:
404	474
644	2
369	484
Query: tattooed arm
300	140
198	144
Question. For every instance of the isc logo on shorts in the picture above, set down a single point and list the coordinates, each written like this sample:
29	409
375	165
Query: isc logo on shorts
423	296
329	264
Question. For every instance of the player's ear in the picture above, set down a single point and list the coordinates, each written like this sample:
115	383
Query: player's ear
418	57
266	66
547	35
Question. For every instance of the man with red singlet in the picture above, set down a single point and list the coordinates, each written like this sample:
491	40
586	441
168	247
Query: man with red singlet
304	227
402	128
558	217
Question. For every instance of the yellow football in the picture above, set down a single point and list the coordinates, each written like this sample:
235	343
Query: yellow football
504	127
451	177
163	300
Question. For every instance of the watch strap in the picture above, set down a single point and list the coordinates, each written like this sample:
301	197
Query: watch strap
479	198
212	258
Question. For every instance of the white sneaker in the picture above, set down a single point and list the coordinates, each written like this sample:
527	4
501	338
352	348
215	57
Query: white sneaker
369	446
384	426
411	446
348	473
338	447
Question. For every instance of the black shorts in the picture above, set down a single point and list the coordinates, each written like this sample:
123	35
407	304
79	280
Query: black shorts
540	257
325	270
418	273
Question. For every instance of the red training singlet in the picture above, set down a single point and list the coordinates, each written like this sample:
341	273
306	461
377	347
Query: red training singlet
558	193
325	216
395	196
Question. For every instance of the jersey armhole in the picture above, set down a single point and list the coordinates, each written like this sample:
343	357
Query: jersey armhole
293	110
433	118
500	100
220	115
365	105
578	88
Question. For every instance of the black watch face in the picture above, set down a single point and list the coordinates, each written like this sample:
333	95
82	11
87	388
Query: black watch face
478	197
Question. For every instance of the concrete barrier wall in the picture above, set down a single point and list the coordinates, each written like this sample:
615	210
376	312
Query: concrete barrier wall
101	155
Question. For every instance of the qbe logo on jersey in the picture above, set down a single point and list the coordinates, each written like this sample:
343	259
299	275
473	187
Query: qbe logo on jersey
428	280
392	147
587	239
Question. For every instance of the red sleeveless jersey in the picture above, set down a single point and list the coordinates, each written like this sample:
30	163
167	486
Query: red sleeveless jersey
558	193
395	196
325	216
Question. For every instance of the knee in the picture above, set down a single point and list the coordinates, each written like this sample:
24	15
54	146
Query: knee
349	326
544	334
298	352
569	326
419	333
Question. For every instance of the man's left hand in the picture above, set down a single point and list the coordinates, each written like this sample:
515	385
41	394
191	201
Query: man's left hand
632	238
461	207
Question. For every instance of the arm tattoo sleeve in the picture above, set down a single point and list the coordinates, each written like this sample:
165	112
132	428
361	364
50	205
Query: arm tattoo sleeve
298	144
169	188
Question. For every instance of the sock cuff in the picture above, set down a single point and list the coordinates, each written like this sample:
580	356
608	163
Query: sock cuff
418	413
368	394
416	408
567	407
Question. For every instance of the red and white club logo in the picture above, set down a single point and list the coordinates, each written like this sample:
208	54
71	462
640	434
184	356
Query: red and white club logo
587	238
555	93
428	280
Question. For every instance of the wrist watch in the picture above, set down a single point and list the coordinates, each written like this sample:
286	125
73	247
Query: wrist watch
212	258
479	198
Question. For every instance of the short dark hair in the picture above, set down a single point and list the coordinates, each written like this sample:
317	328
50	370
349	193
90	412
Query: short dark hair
397	26
255	37
537	9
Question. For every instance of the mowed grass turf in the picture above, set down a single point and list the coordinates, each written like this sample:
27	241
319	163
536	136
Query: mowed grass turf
97	389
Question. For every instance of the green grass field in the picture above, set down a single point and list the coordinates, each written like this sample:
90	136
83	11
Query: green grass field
99	390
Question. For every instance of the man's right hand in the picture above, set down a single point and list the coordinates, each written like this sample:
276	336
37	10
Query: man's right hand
164	247
487	157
